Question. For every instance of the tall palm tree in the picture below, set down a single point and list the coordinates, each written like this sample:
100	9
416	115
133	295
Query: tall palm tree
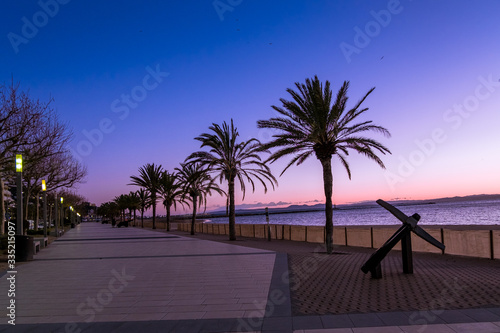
232	161
144	202
149	178
197	183
314	123
171	192
134	203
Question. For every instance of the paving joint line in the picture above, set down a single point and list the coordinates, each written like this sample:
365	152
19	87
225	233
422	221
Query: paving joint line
112	238
160	256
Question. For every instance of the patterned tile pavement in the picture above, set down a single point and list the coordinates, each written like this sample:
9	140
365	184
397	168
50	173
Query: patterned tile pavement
99	279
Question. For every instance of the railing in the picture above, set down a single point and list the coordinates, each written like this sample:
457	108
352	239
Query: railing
474	242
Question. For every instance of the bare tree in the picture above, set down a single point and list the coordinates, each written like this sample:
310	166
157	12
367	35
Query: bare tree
18	115
49	157
60	170
32	128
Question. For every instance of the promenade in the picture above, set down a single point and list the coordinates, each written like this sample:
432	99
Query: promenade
101	279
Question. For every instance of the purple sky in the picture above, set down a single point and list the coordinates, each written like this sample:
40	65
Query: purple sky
137	81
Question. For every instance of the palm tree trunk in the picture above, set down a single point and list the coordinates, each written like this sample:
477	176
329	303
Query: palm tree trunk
142	218
328	184
168	217
193	219
154	211
232	213
134	216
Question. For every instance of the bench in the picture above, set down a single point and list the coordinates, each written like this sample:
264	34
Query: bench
36	247
123	224
44	241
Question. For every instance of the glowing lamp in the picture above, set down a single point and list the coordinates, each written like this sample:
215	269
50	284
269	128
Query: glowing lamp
44	187
19	163
62	200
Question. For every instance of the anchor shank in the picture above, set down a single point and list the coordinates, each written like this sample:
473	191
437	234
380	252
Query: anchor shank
380	254
407	253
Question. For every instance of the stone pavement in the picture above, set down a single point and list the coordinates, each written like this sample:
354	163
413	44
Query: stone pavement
101	279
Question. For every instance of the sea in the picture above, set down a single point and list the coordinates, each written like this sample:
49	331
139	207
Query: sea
478	212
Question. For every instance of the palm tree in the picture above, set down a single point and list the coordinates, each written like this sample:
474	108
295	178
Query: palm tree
314	123
232	161
172	193
122	202
197	183
108	209
134	203
144	202
149	178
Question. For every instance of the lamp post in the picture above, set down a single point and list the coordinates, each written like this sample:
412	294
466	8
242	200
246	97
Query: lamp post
19	185
62	214
268	226
56	217
44	191
24	244
71	215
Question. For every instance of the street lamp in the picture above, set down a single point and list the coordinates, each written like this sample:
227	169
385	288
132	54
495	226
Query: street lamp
71	215
19	163
19	185
62	214
44	191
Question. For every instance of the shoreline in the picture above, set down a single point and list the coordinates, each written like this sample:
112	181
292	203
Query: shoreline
161	222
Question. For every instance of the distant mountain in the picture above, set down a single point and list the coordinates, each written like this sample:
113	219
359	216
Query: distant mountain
358	205
477	197
316	206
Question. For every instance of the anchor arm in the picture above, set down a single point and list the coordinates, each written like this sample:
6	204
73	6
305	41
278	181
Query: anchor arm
393	210
425	236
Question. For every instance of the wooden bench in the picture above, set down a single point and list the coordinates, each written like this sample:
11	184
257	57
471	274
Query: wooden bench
36	247
44	241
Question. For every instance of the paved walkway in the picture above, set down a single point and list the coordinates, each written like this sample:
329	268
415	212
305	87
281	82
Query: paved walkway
101	279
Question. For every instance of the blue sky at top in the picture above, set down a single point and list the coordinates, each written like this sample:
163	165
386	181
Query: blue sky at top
424	58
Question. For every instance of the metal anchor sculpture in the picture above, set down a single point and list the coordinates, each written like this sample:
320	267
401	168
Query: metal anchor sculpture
403	234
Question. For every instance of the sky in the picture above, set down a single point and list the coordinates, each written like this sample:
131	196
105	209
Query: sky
137	81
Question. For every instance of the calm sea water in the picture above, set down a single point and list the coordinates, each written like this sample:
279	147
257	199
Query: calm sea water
459	213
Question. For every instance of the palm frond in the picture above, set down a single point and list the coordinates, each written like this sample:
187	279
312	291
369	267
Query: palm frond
315	122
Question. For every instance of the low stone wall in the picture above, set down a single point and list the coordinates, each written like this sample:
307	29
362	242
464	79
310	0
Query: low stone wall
472	242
